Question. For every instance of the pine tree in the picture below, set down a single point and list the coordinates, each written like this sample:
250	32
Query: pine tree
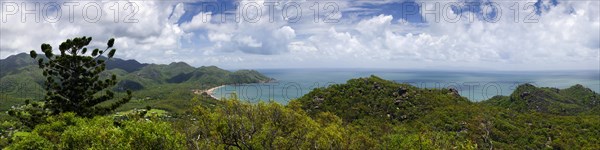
73	79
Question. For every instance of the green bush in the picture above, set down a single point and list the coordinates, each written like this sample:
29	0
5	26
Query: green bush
27	141
152	135
241	125
66	131
97	133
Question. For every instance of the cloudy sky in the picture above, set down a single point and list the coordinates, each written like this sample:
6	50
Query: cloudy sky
403	34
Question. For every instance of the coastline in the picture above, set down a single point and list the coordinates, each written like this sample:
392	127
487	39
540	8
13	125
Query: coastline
211	93
211	90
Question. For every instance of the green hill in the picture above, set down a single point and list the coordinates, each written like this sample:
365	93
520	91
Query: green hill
379	98
14	62
167	87
570	101
125	65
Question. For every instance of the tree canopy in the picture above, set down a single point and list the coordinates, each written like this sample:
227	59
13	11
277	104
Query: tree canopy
73	78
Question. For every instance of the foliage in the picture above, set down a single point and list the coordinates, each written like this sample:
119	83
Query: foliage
67	131
528	98
492	127
427	140
378	98
73	83
7	130
242	125
30	114
27	141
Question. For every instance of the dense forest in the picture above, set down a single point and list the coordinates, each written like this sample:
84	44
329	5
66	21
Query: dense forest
153	108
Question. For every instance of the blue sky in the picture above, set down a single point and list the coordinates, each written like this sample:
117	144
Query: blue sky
402	34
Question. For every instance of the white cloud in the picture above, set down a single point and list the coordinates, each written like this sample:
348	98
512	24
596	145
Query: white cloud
215	36
301	47
201	20
375	25
178	11
285	32
564	37
147	38
248	41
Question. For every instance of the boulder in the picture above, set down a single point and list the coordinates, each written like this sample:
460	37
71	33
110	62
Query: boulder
524	94
402	91
453	91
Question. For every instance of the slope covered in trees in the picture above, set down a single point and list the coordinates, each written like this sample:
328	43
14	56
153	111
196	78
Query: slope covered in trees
160	86
378	98
574	100
14	62
399	115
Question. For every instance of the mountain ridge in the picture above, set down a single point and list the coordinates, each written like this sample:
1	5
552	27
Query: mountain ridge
13	63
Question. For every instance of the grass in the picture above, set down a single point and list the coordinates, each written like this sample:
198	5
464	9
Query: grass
151	113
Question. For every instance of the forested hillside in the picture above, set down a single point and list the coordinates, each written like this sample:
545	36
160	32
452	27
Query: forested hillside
400	115
161	86
570	101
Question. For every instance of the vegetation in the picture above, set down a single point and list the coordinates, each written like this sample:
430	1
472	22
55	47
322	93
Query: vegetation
242	125
13	63
571	101
363	113
73	81
403	116
167	87
374	97
436	119
66	131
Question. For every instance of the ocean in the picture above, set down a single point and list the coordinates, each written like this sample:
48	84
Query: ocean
476	86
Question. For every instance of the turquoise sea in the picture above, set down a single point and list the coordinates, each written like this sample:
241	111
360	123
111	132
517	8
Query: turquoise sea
476	86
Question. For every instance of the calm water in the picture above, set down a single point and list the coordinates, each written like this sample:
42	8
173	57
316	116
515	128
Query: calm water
477	86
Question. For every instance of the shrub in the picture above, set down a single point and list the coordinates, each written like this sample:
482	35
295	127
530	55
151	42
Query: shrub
66	131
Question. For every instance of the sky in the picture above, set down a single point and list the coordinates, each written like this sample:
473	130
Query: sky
399	34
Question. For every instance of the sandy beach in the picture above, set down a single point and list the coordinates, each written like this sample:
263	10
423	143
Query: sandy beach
211	90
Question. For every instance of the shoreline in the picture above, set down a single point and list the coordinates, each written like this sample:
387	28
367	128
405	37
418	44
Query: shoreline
211	90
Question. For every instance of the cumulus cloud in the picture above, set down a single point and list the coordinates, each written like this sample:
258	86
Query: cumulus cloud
561	37
143	30
201	20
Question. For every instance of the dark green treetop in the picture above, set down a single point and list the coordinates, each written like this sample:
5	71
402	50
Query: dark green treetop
73	79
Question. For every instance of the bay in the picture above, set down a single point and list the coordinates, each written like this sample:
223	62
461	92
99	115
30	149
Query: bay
474	85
